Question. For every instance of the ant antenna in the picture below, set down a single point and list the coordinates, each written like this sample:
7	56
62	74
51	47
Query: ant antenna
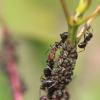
88	29
91	29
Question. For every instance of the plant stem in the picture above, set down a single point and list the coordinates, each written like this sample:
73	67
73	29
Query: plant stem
66	11
72	29
88	21
11	66
72	34
82	8
93	15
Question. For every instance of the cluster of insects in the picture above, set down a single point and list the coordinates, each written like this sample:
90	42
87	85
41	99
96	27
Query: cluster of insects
59	71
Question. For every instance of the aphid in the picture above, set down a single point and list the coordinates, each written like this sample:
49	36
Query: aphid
51	92
43	98
47	71
87	37
73	54
59	93
66	95
52	53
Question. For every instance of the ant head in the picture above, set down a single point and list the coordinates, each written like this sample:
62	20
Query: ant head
90	35
64	35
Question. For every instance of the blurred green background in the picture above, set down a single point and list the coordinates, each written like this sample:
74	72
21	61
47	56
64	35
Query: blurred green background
35	24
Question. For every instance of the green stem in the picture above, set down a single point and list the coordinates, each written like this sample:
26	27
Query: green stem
66	11
72	34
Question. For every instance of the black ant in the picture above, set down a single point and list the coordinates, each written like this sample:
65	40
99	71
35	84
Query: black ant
64	36
51	56
87	38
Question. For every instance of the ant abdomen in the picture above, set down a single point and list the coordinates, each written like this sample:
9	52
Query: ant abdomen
88	37
47	71
82	45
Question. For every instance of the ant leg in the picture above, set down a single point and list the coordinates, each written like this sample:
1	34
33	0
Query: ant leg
84	36
90	30
81	50
52	85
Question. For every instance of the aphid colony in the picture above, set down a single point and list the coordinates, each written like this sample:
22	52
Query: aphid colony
56	78
58	72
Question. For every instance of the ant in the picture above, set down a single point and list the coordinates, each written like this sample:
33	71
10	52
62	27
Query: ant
51	56
64	36
87	38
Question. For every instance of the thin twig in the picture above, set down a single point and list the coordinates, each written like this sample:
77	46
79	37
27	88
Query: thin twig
88	21
92	16
66	11
82	8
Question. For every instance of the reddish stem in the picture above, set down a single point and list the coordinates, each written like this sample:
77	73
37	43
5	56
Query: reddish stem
11	66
